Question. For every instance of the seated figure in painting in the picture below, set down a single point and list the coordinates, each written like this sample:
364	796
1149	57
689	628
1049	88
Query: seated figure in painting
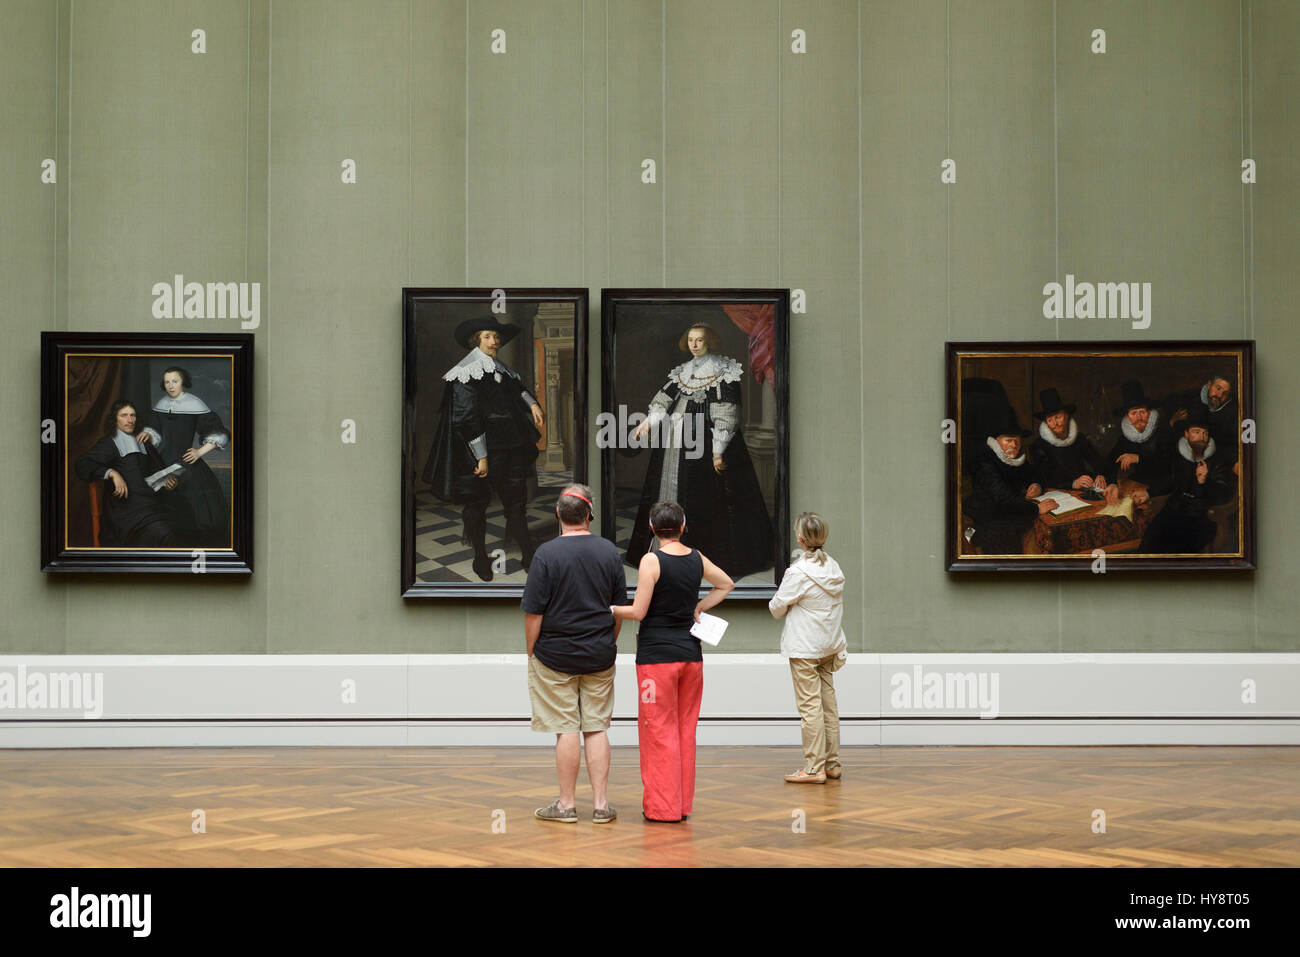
1141	453
138	514
1200	479
701	461
177	419
1004	485
1063	456
487	439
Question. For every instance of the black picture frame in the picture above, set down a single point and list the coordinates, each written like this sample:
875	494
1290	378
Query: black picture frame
677	309
560	460
981	377
77	527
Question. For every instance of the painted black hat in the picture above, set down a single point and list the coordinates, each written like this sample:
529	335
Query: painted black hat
1198	416
1051	400
471	326
1007	424
1134	396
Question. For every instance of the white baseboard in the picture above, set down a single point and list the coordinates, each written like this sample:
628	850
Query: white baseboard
853	733
482	700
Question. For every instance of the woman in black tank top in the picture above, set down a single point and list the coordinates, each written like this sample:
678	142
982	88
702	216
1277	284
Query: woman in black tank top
669	662
665	632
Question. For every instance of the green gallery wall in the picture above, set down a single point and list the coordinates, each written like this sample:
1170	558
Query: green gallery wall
818	171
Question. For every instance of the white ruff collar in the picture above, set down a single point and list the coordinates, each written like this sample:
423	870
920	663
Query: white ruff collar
1005	459
697	375
1205	399
126	444
188	402
1132	434
1185	450
1047	435
476	365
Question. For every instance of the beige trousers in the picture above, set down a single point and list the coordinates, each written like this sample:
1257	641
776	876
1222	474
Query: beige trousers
819	716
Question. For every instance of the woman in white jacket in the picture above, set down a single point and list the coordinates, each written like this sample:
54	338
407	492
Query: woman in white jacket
811	600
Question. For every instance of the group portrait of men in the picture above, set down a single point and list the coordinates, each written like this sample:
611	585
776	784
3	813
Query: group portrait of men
1174	458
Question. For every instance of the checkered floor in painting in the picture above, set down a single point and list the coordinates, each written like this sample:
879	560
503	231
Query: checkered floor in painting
440	556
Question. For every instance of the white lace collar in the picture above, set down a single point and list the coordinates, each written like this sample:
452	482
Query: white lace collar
1132	434
1047	435
697	375
1002	456
126	444
1205	399
1185	450
188	402
474	366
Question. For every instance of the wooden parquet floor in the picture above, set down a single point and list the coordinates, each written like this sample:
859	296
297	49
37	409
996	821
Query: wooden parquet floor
344	807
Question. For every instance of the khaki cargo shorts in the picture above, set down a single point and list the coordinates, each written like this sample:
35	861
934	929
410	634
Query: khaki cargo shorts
563	704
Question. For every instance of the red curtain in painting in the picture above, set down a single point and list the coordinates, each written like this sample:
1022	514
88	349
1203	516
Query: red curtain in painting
756	321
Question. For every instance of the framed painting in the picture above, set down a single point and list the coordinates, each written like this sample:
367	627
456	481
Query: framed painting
494	418
695	395
1100	455
147	452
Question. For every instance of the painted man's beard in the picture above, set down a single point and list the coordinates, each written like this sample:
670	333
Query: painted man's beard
1198	448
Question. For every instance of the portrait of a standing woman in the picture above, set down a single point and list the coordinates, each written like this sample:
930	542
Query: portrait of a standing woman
716	486
694	411
184	429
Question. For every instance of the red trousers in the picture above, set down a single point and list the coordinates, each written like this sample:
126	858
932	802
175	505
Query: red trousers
668	710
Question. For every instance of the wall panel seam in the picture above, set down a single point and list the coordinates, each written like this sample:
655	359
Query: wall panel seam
467	142
862	377
248	94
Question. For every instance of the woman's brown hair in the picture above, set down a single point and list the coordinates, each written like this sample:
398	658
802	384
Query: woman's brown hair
711	337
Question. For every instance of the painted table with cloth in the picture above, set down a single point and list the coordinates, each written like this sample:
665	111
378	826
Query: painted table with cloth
1084	529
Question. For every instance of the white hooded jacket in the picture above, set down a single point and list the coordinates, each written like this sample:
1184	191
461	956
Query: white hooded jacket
811	600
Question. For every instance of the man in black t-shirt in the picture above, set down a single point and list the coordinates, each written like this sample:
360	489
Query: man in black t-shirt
571	638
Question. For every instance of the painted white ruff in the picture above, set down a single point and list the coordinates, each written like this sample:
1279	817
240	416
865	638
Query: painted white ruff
188	403
476	365
1185	450
706	372
1132	434
1048	435
1006	460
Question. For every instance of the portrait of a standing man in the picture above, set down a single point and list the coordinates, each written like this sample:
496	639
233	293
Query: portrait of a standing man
493	429
486	440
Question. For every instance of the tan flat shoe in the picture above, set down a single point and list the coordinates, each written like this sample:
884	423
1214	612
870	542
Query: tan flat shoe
803	777
834	774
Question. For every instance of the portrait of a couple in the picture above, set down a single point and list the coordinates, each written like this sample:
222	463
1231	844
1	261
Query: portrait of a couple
150	448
